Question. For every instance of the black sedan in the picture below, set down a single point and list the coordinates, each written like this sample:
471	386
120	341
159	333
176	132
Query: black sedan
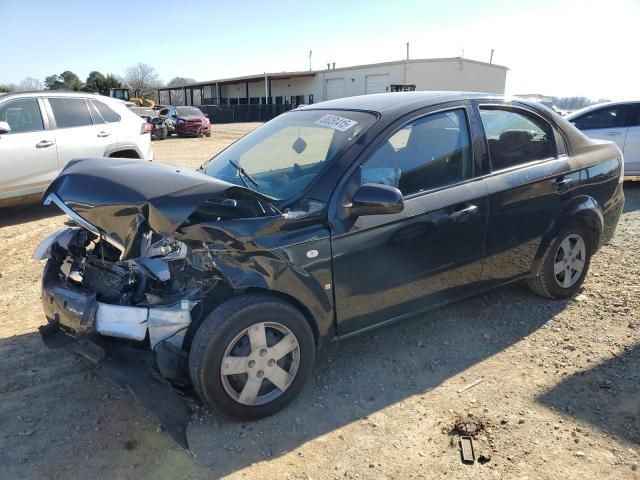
323	223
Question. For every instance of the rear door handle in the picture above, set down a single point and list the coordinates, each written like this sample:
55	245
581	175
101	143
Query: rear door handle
103	134
463	213
44	144
561	182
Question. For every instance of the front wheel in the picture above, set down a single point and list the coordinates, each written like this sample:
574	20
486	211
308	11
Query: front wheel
565	264
251	356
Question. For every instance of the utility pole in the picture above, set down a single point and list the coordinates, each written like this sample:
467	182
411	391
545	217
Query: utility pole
310	53
407	50
491	58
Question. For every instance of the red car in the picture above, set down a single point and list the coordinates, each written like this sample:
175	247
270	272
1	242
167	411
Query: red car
191	122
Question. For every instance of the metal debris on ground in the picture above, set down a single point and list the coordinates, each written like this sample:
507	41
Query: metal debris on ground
467	387
466	450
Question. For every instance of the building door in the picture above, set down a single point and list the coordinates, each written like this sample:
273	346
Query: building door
335	88
377	83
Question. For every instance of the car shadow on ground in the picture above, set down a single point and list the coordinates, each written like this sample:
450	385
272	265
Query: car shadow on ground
361	376
606	396
28	212
352	380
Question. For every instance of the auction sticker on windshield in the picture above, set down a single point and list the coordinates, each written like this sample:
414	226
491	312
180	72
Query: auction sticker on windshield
336	122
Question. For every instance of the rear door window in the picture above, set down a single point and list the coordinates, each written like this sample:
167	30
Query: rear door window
22	115
70	112
516	138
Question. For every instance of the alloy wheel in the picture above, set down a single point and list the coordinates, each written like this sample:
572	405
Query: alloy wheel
260	363
569	260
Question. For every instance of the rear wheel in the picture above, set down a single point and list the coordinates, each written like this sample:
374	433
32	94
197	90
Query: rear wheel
251	356
566	264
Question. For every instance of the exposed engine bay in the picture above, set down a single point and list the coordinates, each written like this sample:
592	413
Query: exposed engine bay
154	297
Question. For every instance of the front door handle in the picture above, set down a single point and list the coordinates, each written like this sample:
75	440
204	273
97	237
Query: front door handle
463	213
613	134
103	134
44	144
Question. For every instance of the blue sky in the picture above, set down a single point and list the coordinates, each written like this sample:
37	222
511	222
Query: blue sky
551	47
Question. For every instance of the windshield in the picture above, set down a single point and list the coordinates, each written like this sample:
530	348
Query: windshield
283	156
189	112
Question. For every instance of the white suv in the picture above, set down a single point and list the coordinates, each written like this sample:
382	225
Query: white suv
41	131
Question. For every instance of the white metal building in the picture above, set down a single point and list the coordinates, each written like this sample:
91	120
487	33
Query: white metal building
305	87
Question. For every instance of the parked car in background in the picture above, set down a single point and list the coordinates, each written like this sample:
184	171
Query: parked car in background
618	122
40	132
159	128
324	223
186	121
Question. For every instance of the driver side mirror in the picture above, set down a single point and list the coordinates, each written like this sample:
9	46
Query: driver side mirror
376	199
4	128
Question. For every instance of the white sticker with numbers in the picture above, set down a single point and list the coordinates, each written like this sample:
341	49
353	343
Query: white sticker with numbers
336	122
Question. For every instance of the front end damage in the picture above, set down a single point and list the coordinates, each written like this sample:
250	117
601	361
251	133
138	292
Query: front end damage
133	318
121	289
150	299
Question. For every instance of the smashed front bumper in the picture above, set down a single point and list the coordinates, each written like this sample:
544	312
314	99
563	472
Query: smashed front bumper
89	328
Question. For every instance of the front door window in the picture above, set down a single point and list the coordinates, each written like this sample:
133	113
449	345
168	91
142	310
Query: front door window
428	153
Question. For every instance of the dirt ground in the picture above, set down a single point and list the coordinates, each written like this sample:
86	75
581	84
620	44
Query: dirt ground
559	395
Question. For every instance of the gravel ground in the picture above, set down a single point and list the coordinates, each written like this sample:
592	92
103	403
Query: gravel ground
559	395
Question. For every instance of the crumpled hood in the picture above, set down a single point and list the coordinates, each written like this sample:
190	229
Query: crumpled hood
119	196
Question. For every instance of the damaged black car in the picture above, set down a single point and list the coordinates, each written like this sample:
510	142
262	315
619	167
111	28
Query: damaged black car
323	223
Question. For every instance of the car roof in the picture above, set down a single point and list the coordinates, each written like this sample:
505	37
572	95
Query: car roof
59	93
379	102
600	105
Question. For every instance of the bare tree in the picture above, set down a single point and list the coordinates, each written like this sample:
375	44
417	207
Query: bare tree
177	96
30	83
143	80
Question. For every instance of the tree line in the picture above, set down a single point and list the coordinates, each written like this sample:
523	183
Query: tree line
141	79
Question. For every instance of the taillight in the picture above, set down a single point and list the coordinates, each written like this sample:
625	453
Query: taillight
145	128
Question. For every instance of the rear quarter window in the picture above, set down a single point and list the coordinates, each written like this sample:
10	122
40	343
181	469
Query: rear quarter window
107	113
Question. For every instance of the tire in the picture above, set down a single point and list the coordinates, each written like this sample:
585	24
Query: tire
207	134
165	133
247	392
554	281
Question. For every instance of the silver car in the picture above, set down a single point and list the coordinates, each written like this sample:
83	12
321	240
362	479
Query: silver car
617	122
40	132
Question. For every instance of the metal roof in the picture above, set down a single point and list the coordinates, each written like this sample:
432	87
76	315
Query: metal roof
309	73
